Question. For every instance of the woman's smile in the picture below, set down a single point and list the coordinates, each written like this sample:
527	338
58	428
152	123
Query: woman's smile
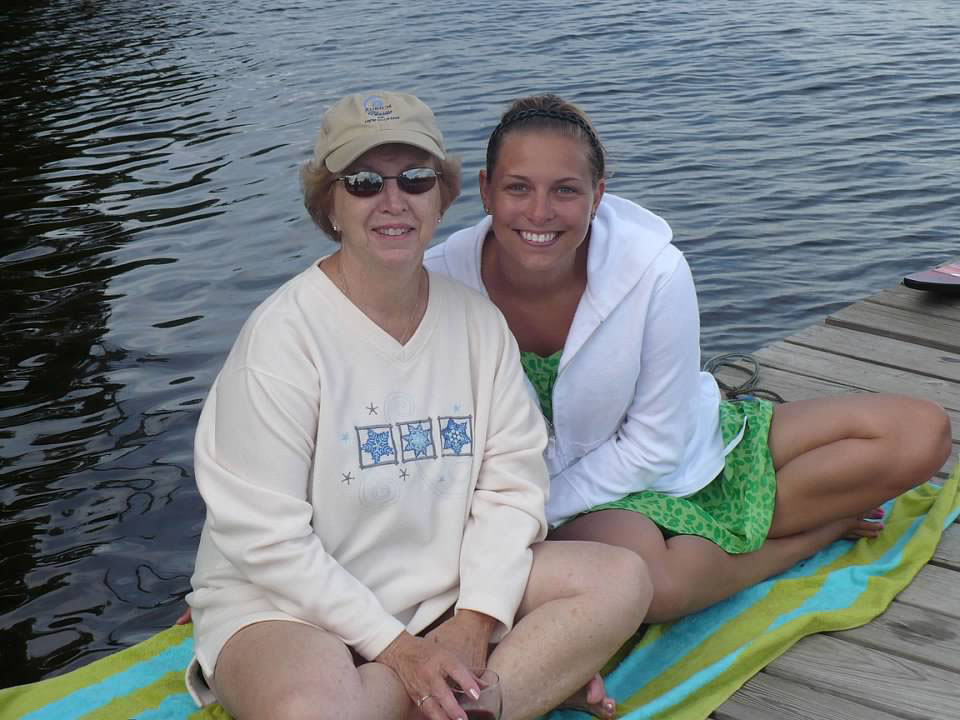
539	238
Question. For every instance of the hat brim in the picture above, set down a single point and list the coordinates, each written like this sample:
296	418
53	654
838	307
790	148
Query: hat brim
340	158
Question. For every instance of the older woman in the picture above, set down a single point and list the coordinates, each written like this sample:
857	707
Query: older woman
372	468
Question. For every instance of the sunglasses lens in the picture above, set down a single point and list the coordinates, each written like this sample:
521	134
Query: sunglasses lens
417	180
368	183
363	184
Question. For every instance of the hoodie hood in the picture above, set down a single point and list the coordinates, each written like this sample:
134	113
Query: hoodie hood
625	240
624	237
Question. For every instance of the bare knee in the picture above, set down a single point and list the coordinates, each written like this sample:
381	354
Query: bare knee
300	704
288	670
672	598
925	440
942	435
295	701
307	704
626	584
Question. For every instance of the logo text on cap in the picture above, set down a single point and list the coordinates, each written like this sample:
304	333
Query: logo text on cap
376	107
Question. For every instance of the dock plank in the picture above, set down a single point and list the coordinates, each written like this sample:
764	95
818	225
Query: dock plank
948	551
905	298
885	682
914	633
905	664
768	697
916	327
859	374
880	350
935	588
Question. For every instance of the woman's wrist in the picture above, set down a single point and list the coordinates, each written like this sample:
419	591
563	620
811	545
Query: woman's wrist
476	622
395	650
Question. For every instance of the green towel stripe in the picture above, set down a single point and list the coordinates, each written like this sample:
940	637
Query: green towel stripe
723	641
744	656
29	698
210	712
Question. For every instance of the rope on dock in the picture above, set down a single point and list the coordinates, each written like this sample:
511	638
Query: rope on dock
748	388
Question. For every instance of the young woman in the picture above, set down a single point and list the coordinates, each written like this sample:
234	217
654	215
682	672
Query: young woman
373	473
643	453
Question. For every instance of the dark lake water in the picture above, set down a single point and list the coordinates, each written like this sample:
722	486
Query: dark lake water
806	154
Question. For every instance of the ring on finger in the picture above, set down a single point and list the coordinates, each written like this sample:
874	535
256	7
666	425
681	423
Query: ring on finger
422	700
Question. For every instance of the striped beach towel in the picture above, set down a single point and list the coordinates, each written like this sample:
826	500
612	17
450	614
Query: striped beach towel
682	670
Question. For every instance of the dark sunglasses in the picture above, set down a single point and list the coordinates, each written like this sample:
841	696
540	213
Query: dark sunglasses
367	183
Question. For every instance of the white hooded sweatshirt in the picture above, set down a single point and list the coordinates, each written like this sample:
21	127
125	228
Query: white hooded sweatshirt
631	409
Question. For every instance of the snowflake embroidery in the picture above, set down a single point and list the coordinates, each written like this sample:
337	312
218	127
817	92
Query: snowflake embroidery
417	437
456	436
378	446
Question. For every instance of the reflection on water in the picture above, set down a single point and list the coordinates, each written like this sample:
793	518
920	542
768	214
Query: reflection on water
804	156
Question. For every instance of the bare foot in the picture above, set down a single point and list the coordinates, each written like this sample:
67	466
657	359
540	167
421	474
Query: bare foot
592	698
868	525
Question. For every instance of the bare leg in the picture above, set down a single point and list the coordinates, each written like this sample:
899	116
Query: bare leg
288	670
582	601
836	459
690	573
840	457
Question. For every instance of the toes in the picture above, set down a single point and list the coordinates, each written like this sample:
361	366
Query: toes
595	690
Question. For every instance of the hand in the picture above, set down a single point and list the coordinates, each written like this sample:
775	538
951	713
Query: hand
186	617
466	635
424	668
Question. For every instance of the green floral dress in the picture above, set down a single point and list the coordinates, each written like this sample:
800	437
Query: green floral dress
735	510
542	373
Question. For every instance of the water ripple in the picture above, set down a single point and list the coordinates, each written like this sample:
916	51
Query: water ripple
805	155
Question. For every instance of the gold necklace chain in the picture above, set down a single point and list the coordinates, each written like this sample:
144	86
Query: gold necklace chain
412	324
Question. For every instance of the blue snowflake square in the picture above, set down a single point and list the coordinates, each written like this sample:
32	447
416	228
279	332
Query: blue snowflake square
456	435
416	440
376	446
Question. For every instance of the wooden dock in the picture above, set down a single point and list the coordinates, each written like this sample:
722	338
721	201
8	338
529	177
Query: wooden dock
906	663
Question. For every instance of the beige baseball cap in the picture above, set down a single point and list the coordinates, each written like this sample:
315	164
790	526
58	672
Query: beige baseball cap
363	121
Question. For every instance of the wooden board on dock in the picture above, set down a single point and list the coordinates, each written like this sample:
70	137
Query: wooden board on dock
905	665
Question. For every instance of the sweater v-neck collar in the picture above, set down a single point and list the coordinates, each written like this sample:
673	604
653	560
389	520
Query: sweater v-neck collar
356	322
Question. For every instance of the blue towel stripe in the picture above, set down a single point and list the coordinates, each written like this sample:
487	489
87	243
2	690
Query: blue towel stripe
842	588
176	706
88	699
682	691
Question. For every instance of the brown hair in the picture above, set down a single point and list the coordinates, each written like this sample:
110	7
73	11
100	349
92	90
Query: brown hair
318	186
548	112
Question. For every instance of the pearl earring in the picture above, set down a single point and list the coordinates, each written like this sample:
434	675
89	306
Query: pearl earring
486	209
